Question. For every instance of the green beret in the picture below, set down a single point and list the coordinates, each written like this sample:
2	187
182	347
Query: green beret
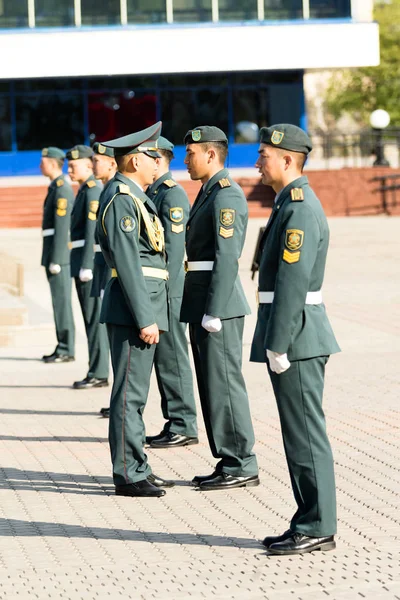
145	141
53	152
98	148
165	144
79	151
286	136
203	134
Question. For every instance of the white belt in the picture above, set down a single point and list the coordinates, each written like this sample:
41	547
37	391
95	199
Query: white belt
268	297
77	244
47	232
199	265
97	247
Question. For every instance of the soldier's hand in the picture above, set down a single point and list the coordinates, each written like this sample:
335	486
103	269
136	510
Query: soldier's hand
85	275
150	334
211	324
54	269
278	363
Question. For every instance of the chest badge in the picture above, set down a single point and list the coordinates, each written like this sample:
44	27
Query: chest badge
227	216
294	239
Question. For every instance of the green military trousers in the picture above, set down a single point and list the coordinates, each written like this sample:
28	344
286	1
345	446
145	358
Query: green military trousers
96	332
298	392
60	288
174	376
223	396
132	362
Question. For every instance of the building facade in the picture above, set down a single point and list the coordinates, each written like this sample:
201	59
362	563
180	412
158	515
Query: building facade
76	71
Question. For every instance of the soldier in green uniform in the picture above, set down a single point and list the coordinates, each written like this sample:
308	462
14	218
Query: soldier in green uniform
171	361
55	255
293	335
214	305
83	224
134	304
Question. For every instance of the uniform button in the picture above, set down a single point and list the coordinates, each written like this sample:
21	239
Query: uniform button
187	228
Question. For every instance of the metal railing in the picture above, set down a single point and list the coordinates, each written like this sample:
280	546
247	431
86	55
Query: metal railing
389	192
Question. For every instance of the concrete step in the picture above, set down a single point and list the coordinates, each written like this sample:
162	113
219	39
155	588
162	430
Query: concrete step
13	311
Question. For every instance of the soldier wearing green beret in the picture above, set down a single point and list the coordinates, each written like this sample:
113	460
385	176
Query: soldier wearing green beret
134	304
214	305
171	360
83	224
293	335
55	255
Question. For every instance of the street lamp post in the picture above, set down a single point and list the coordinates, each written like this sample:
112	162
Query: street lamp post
379	120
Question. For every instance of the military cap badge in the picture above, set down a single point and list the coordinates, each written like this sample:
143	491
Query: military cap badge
74	154
127	224
196	135
277	137
45	151
101	149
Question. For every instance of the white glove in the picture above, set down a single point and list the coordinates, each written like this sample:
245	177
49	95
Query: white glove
85	275
211	324
278	363
54	269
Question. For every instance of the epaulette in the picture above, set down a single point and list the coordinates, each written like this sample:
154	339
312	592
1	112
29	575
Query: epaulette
297	194
224	182
170	183
123	188
60	182
91	183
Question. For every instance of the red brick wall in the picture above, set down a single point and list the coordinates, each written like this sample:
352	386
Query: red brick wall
343	192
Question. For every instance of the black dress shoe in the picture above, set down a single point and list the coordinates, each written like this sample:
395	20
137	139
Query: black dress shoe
198	479
105	412
173	440
224	481
57	358
151	438
141	488
298	543
159	482
89	382
273	539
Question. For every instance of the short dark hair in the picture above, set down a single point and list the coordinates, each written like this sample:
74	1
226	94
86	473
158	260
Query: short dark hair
168	154
220	147
59	162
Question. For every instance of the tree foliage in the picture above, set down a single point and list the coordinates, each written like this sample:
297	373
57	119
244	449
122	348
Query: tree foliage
359	91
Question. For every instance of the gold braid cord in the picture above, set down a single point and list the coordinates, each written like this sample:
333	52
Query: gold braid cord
154	228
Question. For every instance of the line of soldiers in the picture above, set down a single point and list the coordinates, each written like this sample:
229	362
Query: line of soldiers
143	226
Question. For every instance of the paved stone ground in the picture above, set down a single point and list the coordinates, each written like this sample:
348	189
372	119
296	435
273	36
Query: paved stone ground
63	534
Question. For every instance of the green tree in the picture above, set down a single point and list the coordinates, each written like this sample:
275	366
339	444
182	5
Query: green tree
359	91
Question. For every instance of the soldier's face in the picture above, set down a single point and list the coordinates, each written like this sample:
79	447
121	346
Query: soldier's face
46	166
197	161
80	169
147	168
103	166
270	164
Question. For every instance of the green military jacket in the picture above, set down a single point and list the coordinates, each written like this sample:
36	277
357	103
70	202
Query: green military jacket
216	231
57	216
292	260
173	207
83	225
131	298
101	271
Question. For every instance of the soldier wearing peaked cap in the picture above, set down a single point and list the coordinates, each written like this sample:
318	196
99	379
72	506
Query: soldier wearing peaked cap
134	304
56	256
214	305
83	223
293	335
171	361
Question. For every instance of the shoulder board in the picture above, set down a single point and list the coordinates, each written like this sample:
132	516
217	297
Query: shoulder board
91	183
170	183
224	182
60	182
297	194
123	188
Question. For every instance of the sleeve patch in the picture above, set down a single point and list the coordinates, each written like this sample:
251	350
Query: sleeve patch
61	212
91	184
94	206
127	224
170	183
62	203
176	214
60	182
294	239
291	257
226	233
123	188
227	216
92	216
224	182
177	228
297	194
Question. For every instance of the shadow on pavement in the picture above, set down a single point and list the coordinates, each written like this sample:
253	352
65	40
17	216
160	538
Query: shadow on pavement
20	358
52	438
21	411
11	387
